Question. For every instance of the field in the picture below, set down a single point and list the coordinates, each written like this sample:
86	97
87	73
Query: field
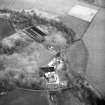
5	29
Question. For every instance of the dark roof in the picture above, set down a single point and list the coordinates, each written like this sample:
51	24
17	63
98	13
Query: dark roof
38	31
47	69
